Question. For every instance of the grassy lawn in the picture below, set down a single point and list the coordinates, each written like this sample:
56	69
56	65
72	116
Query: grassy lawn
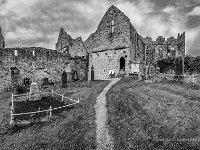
157	116
73	129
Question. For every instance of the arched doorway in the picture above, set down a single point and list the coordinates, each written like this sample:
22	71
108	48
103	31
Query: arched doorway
122	64
27	81
75	75
92	73
45	81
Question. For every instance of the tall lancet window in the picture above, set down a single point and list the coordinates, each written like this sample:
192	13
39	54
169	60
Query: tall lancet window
33	52
112	25
15	53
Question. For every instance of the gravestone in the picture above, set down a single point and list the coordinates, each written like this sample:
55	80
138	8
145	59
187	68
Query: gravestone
27	83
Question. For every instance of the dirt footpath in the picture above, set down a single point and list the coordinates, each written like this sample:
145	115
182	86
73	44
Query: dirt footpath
104	141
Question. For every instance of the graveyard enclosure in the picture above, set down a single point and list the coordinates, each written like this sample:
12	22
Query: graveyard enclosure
26	110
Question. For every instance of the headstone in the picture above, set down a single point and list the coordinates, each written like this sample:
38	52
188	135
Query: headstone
135	68
34	94
75	76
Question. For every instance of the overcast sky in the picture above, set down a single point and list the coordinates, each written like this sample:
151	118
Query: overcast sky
37	22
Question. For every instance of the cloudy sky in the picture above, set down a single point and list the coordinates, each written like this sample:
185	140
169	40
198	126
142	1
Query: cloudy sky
37	22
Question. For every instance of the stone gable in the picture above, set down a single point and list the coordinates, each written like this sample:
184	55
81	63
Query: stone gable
78	48
112	32
64	40
73	47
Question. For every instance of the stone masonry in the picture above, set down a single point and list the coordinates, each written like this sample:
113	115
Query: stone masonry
162	48
74	47
112	49
2	42
116	44
114	40
36	63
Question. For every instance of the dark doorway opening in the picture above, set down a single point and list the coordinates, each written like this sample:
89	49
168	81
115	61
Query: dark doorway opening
27	81
14	73
92	73
64	79
122	64
45	83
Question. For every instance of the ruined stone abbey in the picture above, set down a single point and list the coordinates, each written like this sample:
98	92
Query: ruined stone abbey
112	50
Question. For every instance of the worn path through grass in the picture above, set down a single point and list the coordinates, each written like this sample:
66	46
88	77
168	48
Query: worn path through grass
104	141
71	130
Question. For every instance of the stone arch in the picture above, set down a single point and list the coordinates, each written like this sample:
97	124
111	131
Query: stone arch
45	81
26	81
122	63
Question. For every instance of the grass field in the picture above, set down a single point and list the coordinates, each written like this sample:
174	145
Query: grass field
73	129
156	116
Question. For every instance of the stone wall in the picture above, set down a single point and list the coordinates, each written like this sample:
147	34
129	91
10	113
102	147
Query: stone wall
36	63
77	48
104	61
2	42
73	47
181	45
161	48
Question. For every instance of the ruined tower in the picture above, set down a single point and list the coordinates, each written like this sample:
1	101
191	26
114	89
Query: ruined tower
66	44
64	40
2	42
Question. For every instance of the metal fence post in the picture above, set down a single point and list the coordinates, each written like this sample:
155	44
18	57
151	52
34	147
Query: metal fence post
12	106
27	96
62	98
52	92
50	114
11	116
193	79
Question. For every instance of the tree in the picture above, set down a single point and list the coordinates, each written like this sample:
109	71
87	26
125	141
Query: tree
166	64
188	64
191	64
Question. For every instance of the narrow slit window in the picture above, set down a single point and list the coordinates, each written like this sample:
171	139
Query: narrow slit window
33	52
112	25
16	53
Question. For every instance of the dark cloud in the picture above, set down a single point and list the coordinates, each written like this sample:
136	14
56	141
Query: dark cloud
37	22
